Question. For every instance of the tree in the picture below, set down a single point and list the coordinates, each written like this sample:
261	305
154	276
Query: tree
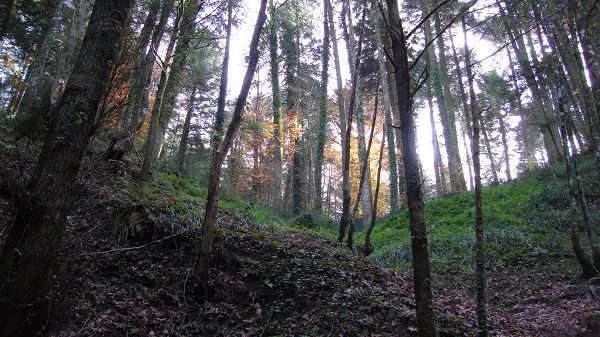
482	328
324	115
210	217
447	115
186	32
32	241
426	322
276	107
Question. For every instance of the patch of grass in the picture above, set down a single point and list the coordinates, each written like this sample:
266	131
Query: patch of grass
526	223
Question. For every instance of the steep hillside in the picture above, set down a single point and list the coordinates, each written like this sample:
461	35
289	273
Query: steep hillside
125	266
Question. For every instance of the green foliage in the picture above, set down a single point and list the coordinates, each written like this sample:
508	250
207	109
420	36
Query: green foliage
524	221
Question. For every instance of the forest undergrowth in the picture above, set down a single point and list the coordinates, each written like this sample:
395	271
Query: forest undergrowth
129	252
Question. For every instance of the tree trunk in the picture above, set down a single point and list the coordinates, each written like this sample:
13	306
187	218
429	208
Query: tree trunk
368	249
346	219
482	327
185	33
152	141
430	58
448	117
383	77
277	111
490	154
32	241
590	267
544	117
323	117
426	322
35	110
505	146
366	198
210	218
186	131
220	115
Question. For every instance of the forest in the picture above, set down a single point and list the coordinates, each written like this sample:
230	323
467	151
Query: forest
299	168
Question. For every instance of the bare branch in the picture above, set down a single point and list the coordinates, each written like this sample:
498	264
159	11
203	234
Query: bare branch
426	18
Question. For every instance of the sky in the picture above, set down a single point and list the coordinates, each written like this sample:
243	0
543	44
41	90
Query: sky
242	34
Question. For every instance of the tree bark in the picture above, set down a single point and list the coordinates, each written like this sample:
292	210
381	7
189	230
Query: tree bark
323	116
32	241
482	327
276	108
346	219
426	322
210	217
152	141
448	117
220	115
186	131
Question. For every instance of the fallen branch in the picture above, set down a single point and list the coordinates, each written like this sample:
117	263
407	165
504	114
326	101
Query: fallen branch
132	248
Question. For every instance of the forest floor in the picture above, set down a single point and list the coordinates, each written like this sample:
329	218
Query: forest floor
127	257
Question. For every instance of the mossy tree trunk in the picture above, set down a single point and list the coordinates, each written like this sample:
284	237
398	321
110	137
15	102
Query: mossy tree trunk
323	116
32	241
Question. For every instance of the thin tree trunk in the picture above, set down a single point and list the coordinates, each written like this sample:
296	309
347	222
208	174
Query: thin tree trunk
590	267
391	145
368	249
323	117
346	219
186	131
505	147
33	240
366	198
482	327
210	218
426	322
490	154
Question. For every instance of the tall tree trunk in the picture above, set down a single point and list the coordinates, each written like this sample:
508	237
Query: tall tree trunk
368	249
210	217
490	154
366	198
220	115
426	322
590	267
152	141
276	107
468	126
482	327
186	130
391	145
346	219
503	134
140	106
186	31
32	241
528	153
431	60
543	116
139	77
448	117
322	137
35	110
